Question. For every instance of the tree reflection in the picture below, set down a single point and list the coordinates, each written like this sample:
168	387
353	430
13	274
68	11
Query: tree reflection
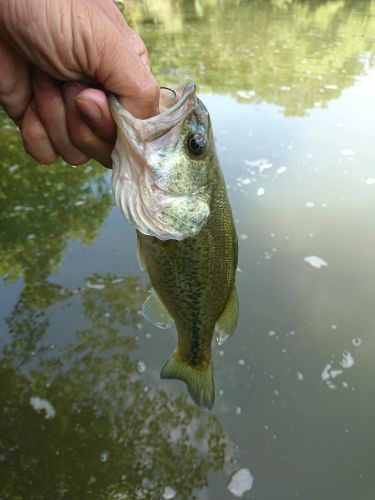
292	53
110	437
41	208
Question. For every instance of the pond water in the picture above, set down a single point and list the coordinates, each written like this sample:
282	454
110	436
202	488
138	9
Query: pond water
290	86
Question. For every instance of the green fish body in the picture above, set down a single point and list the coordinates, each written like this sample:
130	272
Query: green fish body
189	248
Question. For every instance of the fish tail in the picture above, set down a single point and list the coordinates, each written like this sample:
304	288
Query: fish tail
199	381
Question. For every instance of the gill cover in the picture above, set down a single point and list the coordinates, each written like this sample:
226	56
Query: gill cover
144	178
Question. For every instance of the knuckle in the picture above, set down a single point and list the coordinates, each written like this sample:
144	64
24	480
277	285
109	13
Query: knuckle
151	92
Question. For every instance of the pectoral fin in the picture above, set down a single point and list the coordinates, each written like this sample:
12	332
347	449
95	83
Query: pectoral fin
140	258
227	322
155	312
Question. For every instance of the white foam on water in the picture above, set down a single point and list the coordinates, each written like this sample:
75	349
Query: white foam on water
240	482
40	404
260	191
329	373
315	261
95	286
309	204
370	181
281	170
243	181
347	360
141	367
357	342
261	164
169	493
104	456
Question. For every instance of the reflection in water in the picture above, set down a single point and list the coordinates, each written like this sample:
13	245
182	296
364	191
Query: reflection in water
80	415
88	423
41	208
235	47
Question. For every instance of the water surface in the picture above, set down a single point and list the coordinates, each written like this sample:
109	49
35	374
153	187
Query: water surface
290	89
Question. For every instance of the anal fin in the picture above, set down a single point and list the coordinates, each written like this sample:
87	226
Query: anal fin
227	322
155	312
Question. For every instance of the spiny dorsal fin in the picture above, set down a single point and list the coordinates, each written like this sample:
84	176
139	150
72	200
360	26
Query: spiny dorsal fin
227	322
199	381
155	312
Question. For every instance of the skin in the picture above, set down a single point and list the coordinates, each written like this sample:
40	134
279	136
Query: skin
52	53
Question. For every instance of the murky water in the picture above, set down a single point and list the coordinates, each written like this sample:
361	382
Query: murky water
290	86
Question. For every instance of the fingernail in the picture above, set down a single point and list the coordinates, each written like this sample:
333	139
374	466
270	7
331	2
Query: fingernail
89	109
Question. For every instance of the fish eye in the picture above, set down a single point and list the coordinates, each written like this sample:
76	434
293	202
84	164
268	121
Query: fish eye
196	144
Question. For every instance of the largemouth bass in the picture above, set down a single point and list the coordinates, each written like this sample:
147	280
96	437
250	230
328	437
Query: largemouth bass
168	182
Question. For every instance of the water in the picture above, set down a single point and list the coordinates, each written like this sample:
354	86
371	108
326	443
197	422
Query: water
290	89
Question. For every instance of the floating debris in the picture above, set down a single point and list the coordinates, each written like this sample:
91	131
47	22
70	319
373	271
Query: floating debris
300	376
238	410
104	456
260	191
40	404
169	493
315	261
357	342
370	181
309	204
241	481
243	236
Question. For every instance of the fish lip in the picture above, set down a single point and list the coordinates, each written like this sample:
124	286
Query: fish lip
149	128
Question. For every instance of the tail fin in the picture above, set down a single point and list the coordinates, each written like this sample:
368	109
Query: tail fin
200	382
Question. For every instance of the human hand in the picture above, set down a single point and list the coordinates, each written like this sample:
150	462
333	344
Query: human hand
50	53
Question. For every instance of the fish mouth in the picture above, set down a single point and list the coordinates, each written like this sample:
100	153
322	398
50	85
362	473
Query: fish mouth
146	204
175	107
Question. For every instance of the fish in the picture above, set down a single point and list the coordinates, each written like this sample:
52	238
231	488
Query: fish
167	180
